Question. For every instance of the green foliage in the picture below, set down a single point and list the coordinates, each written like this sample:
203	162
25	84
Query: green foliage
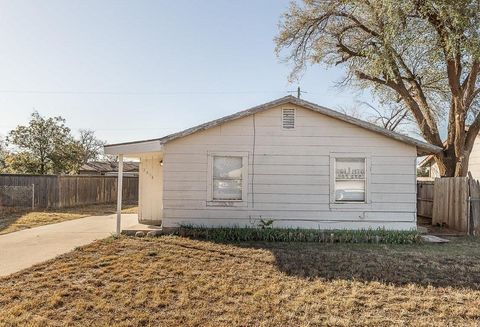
266	223
91	146
42	145
423	172
368	35
249	234
3	154
46	146
20	163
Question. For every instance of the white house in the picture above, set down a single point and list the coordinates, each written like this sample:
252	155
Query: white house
289	160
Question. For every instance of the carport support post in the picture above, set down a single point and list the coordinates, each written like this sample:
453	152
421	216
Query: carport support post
119	192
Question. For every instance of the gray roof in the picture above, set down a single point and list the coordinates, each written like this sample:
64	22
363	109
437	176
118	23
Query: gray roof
107	166
423	148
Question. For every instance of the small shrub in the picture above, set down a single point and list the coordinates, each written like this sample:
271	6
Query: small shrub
265	223
250	234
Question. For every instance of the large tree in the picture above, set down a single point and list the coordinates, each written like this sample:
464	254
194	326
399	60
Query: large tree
44	146
394	117
424	53
92	147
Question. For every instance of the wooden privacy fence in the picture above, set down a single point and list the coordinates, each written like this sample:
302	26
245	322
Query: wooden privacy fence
453	202
450	203
51	191
474	202
425	199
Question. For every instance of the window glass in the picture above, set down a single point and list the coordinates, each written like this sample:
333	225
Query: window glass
350	180
227	189
227	178
227	167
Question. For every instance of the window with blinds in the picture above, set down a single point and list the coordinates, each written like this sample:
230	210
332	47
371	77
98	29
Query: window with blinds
350	179
288	118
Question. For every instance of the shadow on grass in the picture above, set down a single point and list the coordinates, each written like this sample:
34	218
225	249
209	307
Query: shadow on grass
456	264
9	216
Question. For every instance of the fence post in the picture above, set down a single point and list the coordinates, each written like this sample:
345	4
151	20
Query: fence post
33	196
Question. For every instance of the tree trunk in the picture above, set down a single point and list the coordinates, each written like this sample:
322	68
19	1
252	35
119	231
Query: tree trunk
451	166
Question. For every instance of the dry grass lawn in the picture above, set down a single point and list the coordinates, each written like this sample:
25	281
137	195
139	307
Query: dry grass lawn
174	281
12	220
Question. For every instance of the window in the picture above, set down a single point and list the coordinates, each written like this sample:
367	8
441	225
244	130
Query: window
350	180
227	178
288	118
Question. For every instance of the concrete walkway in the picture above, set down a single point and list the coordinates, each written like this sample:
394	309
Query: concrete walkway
23	249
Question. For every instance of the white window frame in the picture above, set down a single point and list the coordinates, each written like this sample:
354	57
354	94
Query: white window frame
368	167
294	119
227	203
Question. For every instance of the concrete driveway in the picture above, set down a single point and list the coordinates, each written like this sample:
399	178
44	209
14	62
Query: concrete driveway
20	250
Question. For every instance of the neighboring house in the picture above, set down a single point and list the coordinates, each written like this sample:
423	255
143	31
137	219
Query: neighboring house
473	164
130	168
429	164
289	160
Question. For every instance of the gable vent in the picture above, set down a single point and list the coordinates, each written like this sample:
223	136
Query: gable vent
288	118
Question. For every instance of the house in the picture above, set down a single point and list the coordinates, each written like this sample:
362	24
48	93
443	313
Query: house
289	160
428	163
473	163
107	168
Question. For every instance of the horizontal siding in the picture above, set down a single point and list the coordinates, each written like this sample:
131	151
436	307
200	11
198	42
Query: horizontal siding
240	213
290	150
287	140
393	170
298	189
291	170
393	179
311	131
296	223
274	179
318	160
185	186
393	188
394	160
290	173
291	205
394	197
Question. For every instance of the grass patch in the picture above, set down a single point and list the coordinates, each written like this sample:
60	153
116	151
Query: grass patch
176	281
250	234
12	219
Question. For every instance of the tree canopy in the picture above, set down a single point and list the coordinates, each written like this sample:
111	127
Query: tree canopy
422	53
3	153
46	146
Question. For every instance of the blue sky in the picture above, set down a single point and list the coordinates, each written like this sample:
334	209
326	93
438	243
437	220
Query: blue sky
141	69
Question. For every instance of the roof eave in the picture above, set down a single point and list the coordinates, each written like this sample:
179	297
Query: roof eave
428	150
134	148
